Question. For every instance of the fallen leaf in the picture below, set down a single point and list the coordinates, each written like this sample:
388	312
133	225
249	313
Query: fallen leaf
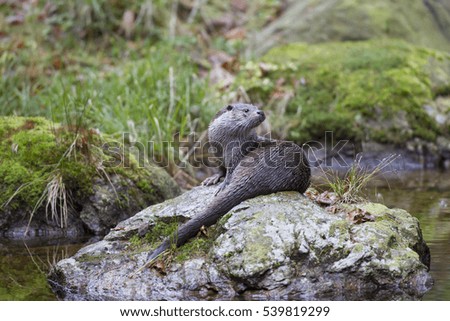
311	193
204	231
332	209
221	66
359	216
225	61
280	82
160	266
57	63
19	44
326	198
266	67
219	57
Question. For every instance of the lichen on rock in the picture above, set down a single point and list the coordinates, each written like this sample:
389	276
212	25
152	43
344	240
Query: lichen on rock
278	246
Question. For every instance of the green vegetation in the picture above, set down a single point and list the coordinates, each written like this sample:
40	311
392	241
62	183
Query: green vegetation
371	90
143	66
144	75
49	167
40	163
423	23
134	64
21	279
149	98
116	66
350	187
162	229
67	60
159	231
198	246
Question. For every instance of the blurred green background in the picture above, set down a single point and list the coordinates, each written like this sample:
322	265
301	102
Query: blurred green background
376	73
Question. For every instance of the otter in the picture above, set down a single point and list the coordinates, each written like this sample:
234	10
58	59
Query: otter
251	165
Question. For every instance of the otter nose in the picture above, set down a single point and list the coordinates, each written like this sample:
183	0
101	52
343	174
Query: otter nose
260	112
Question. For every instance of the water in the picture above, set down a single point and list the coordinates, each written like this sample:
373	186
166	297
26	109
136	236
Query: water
426	195
24	266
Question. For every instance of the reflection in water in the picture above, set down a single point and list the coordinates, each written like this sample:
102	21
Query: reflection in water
24	267
426	195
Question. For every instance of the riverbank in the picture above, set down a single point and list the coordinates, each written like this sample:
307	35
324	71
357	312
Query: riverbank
279	246
425	194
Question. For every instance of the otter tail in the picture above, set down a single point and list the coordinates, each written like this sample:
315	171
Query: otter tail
288	171
220	205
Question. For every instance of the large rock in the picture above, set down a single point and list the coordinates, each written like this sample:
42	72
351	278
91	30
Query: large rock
62	181
280	246
425	23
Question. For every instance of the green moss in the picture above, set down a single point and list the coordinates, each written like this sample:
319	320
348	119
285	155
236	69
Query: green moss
198	246
78	177
28	153
315	21
358	248
35	152
135	241
339	229
162	228
32	152
376	209
224	219
153	181
145	186
371	90
96	258
255	252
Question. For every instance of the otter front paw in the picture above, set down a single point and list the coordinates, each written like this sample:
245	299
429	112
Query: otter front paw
212	180
221	187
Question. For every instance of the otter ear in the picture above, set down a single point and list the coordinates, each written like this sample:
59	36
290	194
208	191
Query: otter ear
229	107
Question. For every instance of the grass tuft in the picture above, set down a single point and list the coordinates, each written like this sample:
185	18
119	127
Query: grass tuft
350	187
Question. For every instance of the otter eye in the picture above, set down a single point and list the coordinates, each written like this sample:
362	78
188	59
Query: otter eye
229	107
246	110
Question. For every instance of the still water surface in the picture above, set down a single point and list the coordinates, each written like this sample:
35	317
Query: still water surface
426	195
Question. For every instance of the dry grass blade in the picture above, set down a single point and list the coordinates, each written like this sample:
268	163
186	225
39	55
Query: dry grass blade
350	187
147	264
18	190
55	194
57	201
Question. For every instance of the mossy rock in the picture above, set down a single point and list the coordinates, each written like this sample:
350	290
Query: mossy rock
275	246
362	91
425	23
56	180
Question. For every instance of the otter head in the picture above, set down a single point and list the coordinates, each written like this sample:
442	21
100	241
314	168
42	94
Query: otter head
241	117
235	121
